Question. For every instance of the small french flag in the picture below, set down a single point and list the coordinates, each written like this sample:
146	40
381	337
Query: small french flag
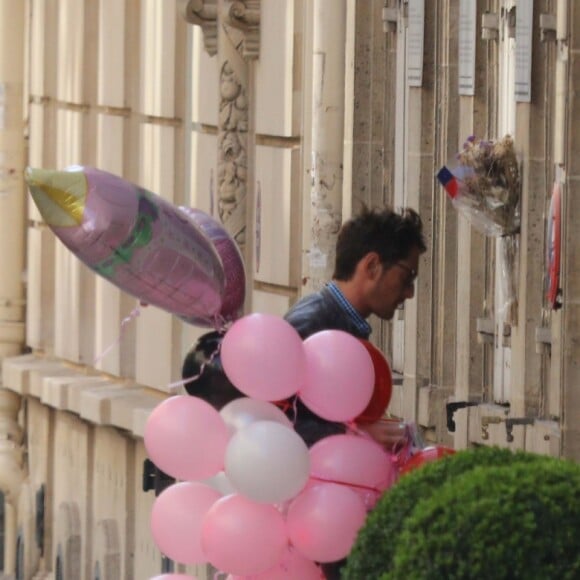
448	181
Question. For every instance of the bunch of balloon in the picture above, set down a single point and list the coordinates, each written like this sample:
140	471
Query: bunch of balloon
254	500
176	258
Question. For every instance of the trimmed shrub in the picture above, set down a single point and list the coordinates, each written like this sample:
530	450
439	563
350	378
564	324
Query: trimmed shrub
500	523
375	546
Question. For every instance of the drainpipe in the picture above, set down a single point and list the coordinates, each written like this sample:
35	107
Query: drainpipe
12	233
327	137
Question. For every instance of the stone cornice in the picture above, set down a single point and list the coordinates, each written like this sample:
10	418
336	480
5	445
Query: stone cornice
245	16
242	15
202	13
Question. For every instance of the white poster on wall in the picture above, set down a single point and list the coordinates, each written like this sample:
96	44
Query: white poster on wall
524	21
415	34
467	40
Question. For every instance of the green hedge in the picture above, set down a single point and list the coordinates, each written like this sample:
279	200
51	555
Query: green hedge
375	546
500	523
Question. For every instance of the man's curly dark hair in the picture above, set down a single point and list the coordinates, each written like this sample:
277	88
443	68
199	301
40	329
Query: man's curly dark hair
388	233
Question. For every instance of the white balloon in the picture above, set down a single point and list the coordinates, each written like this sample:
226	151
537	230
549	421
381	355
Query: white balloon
221	483
267	462
242	412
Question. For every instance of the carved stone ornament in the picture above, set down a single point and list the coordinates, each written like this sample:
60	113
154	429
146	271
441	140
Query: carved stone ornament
232	158
245	16
202	13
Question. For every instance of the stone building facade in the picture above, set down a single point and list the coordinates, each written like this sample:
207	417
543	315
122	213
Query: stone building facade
280	117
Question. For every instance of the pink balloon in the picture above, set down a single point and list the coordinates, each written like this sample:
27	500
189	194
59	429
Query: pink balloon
242	537
263	357
355	461
340	375
176	520
293	566
174	577
323	521
134	238
186	438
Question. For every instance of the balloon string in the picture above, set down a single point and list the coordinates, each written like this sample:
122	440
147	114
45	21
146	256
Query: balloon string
285	405
410	442
132	315
220	324
173	387
352	427
357	485
295	410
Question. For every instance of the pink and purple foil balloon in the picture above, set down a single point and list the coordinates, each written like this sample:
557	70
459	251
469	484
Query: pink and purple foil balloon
140	242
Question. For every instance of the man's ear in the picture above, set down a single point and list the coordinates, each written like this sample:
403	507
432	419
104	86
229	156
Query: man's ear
371	265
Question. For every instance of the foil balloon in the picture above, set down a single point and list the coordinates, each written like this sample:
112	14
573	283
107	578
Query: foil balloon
233	264
134	238
424	456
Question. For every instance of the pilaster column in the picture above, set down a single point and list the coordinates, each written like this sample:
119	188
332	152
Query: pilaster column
231	30
327	137
12	194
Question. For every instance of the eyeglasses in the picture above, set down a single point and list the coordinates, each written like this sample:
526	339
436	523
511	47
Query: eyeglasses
412	272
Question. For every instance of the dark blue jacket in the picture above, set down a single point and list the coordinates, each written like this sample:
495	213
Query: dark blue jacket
315	313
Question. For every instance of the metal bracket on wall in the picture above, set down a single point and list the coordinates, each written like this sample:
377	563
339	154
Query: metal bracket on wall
510	422
455	406
543	339
390	19
490	26
485	329
548	27
506	334
154	478
488	420
510	16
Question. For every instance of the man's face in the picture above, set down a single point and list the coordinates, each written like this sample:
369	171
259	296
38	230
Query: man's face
394	284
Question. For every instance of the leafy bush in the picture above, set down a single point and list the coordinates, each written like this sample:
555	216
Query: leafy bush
375	546
500	523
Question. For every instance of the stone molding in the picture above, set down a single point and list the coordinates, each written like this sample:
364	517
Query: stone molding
243	15
202	13
97	398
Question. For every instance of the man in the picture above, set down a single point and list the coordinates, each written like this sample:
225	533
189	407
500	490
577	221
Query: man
377	256
377	260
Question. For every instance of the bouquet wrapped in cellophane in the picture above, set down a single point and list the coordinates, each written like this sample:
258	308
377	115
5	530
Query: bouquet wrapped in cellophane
485	185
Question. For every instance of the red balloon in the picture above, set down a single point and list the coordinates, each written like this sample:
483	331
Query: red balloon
383	386
426	456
